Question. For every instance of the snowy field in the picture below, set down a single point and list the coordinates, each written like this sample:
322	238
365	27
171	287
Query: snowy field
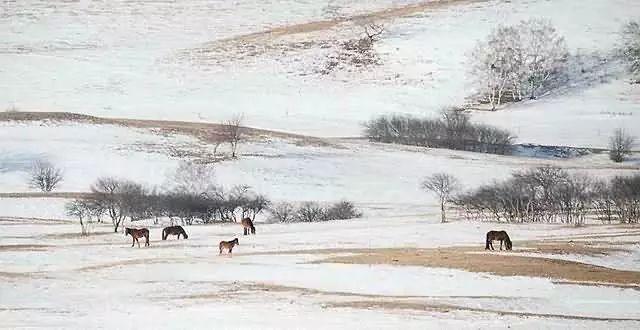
53	279
122	59
203	61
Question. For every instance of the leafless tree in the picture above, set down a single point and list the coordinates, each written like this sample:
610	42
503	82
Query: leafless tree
44	176
620	145
232	130
80	209
191	177
496	64
528	58
444	186
631	47
283	212
106	196
545	54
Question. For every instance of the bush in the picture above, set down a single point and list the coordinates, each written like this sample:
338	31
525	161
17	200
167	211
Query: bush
631	47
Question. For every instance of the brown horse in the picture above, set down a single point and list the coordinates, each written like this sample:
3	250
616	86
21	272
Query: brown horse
136	233
174	230
498	236
247	226
228	245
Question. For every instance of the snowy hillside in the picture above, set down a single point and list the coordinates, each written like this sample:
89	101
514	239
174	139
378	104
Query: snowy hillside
166	60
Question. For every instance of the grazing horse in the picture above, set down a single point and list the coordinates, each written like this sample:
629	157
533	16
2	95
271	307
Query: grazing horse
247	225
498	236
228	245
136	233
174	230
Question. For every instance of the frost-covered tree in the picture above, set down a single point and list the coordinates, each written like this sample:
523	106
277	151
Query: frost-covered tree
497	63
444	186
631	47
517	60
44	176
620	145
545	54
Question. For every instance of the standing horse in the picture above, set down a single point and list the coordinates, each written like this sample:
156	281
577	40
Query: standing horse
228	245
136	233
498	236
247	226
174	230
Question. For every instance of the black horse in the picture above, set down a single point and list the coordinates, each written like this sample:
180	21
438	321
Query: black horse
174	230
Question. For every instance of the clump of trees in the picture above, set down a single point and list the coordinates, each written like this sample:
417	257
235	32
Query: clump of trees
550	194
313	212
453	130
620	145
44	176
631	47
191	197
518	61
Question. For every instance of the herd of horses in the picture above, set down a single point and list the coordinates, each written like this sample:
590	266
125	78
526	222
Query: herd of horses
247	225
249	228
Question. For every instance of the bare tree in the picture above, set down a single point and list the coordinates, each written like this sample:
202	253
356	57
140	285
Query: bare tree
514	60
545	52
620	145
232	131
631	47
44	176
283	212
80	209
444	186
191	177
106	196
496	64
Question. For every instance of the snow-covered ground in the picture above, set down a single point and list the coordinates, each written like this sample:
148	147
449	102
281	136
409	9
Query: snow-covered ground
69	282
120	59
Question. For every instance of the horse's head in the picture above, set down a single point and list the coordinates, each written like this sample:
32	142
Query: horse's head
235	240
127	231
185	234
507	243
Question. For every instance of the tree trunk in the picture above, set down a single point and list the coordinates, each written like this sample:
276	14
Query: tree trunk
444	219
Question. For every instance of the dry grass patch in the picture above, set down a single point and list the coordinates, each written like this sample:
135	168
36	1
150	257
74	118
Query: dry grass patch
446	308
130	262
24	247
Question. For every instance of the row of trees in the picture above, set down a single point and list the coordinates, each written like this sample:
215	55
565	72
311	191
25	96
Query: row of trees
517	61
453	130
191	196
313	212
550	194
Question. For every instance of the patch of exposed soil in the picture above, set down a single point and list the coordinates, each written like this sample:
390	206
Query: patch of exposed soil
23	247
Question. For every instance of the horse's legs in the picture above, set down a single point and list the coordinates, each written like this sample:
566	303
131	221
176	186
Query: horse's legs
244	230
500	245
133	241
491	245
147	242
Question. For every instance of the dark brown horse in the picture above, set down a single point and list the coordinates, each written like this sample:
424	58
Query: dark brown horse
498	236
174	230
136	233
228	245
247	226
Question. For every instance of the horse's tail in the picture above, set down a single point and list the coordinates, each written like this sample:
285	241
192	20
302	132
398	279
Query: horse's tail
507	241
164	234
486	246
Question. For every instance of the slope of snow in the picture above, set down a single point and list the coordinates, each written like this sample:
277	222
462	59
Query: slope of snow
118	59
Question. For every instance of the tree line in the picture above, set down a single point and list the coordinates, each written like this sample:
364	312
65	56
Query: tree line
552	195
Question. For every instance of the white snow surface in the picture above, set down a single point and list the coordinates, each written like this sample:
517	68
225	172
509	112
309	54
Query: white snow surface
119	59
